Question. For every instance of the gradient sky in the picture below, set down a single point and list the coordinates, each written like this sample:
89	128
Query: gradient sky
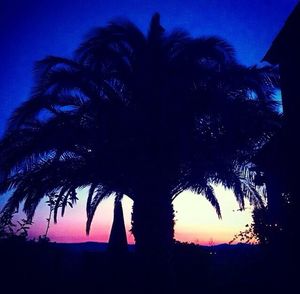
32	29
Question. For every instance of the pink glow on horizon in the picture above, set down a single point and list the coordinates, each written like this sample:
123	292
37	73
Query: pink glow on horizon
195	220
71	227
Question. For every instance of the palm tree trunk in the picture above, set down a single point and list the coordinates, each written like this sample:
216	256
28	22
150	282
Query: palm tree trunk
153	229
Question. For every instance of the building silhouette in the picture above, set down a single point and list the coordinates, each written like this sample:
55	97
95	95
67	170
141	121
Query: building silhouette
279	159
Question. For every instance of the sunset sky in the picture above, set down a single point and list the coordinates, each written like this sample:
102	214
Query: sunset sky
32	29
196	220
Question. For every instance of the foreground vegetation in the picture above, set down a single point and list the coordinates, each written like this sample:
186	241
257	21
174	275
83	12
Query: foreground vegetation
39	267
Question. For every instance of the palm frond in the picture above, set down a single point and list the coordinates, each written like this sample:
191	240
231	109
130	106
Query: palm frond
114	48
58	201
47	64
66	198
100	194
209	194
90	196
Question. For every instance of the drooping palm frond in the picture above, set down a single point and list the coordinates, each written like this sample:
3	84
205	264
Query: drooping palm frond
90	196
99	194
213	49
208	192
211	197
117	35
24	148
59	200
31	186
46	95
113	50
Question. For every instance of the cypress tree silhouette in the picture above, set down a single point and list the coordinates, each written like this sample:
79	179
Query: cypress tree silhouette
118	240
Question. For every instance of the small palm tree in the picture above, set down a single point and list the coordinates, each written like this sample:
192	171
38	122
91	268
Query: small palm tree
147	116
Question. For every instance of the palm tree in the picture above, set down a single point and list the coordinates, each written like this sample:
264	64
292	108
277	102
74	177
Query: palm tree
147	116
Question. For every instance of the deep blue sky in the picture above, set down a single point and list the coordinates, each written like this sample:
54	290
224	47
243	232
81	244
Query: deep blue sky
31	29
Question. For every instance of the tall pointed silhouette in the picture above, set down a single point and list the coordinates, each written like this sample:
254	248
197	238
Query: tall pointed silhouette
118	239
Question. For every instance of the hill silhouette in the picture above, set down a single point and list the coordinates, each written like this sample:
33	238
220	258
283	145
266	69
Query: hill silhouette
102	246
85	267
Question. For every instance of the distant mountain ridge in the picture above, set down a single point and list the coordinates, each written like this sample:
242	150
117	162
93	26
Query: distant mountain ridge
102	247
85	246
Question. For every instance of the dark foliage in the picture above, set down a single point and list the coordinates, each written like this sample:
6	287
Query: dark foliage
57	268
148	116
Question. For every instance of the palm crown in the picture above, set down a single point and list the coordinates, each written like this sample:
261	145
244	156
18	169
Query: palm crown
130	112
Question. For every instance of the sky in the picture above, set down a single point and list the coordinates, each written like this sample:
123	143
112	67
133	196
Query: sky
32	29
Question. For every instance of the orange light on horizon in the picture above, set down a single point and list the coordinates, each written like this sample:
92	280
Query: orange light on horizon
195	220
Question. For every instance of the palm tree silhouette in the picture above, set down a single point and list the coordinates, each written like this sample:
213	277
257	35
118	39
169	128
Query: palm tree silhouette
147	116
